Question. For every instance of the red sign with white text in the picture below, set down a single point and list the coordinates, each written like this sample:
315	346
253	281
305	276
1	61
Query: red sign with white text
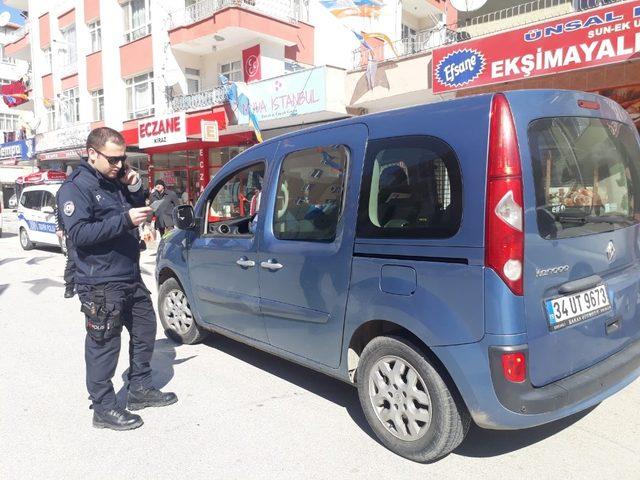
597	37
251	64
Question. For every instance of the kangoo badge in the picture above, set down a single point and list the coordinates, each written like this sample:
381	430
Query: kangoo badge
460	67
68	208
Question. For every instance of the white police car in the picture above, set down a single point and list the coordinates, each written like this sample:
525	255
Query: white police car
36	217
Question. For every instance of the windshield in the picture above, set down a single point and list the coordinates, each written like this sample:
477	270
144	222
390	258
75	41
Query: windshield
586	175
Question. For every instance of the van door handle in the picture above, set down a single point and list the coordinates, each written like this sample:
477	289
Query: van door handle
244	262
271	265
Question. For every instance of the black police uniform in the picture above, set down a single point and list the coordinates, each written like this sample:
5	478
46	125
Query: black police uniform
69	266
95	214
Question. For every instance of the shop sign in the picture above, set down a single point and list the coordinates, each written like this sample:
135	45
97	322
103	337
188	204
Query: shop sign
165	130
74	154
286	96
251	64
598	37
22	149
69	137
210	131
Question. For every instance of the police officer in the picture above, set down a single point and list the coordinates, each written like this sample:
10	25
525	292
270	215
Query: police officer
102	205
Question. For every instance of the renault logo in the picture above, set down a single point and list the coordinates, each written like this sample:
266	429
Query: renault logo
611	251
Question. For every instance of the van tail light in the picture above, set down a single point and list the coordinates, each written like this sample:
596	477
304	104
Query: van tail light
504	224
514	367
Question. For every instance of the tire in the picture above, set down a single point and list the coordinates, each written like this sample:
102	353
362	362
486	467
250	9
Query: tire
25	242
175	314
435	431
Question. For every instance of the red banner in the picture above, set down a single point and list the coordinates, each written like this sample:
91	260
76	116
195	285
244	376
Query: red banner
14	94
598	37
251	64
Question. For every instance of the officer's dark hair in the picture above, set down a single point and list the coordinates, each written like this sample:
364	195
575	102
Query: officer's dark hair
99	137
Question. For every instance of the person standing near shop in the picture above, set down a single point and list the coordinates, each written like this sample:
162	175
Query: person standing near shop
102	204
70	265
165	200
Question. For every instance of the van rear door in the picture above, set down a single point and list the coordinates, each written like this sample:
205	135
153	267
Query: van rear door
582	272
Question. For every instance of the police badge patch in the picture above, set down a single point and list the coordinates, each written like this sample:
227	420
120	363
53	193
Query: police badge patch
68	208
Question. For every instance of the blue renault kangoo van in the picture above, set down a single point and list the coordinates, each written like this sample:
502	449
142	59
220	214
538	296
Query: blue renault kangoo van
470	260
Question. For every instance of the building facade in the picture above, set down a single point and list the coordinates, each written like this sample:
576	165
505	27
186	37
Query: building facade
16	123
145	66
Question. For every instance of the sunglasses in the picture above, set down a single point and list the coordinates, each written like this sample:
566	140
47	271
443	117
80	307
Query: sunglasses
113	159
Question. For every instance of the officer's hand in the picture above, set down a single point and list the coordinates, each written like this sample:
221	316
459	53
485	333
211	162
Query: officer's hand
139	215
130	177
60	234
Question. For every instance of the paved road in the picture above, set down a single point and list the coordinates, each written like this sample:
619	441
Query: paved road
242	413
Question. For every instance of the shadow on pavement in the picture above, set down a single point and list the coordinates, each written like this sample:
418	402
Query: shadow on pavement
162	363
334	390
481	443
8	235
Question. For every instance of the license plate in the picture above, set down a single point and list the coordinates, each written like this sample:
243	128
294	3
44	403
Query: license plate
577	307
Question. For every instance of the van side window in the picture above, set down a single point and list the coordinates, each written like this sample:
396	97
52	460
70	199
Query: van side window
411	187
232	209
32	200
310	194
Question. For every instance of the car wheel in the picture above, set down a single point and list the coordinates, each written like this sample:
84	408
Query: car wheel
407	403
176	316
24	240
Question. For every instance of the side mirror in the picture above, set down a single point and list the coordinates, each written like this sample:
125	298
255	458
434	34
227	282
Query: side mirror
184	217
47	209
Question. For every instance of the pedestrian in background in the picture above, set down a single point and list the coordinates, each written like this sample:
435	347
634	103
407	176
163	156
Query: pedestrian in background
70	265
102	206
165	201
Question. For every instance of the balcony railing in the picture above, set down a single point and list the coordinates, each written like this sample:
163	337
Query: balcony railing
198	100
421	42
525	13
288	10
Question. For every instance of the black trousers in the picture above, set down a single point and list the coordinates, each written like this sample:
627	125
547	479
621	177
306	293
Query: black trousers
70	265
102	357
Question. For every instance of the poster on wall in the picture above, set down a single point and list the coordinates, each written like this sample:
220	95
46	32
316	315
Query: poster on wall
628	97
597	37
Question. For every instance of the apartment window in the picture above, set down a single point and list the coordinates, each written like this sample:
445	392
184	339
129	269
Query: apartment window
4	59
70	106
140	95
46	55
51	118
8	122
70	46
4	81
193	80
232	70
96	36
97	105
137	19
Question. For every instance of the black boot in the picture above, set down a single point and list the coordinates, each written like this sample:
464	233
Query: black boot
116	419
149	397
69	291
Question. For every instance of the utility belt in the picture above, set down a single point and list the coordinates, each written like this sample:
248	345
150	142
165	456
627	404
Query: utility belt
103	320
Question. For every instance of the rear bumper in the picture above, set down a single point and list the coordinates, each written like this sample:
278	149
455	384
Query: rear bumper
575	389
496	404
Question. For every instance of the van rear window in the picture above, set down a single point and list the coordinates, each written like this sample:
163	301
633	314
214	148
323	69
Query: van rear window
586	175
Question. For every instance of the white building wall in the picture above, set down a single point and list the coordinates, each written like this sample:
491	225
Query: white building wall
112	30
